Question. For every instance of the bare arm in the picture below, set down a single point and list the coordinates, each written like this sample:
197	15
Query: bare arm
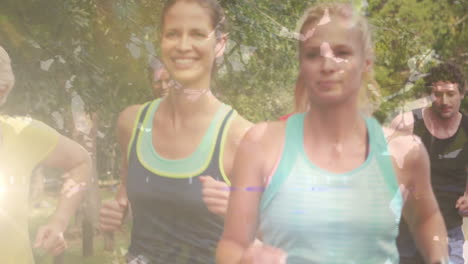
75	161
237	131
113	212
252	163
421	211
242	217
125	126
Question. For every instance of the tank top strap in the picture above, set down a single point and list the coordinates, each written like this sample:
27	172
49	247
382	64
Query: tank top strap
200	162
216	162
417	114
292	143
419	128
137	128
292	148
379	148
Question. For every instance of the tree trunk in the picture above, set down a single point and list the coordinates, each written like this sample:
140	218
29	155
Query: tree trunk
92	199
85	133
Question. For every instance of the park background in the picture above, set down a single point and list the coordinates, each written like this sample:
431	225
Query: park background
78	63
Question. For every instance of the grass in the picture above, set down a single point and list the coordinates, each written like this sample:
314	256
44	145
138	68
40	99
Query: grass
73	254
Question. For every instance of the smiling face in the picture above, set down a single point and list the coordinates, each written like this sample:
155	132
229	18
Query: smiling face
446	99
333	61
189	43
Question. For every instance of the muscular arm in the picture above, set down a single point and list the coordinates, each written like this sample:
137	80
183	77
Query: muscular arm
242	216
421	211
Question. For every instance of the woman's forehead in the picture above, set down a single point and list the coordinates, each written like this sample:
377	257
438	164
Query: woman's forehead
335	33
187	13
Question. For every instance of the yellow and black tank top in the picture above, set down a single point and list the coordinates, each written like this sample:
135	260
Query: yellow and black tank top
171	223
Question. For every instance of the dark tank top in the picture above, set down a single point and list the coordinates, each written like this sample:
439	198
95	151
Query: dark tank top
449	161
449	158
171	223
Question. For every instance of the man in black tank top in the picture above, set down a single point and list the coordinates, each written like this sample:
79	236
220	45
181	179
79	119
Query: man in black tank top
444	131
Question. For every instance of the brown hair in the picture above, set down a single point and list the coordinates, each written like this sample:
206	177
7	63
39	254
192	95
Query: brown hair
218	18
445	72
344	10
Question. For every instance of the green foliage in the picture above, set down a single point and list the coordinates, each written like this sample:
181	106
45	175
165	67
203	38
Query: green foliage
100	49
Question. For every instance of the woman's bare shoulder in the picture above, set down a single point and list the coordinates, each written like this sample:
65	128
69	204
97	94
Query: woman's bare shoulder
266	133
126	122
406	149
239	127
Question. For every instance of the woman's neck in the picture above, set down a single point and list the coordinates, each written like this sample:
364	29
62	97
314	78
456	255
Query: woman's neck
185	102
335	125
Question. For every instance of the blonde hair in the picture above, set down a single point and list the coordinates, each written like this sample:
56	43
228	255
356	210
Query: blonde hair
6	72
344	10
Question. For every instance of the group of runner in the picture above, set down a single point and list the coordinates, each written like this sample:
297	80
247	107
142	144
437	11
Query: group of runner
328	184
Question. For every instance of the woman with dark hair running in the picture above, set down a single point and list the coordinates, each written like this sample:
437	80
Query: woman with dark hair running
180	148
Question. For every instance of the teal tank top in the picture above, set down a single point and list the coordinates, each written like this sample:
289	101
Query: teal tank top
322	217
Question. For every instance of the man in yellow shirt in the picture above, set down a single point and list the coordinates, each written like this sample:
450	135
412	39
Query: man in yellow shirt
25	144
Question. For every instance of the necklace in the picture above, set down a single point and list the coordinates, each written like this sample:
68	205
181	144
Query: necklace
337	148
